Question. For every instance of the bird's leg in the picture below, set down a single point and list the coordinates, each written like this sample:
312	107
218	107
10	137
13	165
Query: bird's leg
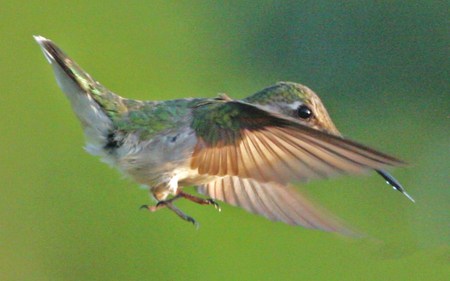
177	211
198	200
169	204
161	204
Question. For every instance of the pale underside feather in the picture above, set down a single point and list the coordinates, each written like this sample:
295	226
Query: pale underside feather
273	201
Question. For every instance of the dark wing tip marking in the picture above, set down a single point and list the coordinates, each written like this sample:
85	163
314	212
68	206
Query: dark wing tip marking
394	183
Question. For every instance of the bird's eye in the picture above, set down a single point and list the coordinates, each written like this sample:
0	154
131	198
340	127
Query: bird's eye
304	112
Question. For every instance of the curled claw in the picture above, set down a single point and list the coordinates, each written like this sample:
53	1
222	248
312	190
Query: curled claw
215	204
193	221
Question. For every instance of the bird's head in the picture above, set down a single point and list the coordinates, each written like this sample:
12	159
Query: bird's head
298	102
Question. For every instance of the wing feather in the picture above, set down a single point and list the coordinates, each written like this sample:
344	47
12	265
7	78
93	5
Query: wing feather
273	201
269	147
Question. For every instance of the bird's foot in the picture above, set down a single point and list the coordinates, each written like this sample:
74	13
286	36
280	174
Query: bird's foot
198	200
152	208
161	204
170	206
180	213
214	203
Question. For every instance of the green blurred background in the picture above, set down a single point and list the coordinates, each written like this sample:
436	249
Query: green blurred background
381	67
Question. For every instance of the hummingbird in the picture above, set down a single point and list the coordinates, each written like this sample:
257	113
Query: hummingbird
245	152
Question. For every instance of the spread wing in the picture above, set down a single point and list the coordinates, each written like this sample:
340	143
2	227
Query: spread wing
239	139
273	201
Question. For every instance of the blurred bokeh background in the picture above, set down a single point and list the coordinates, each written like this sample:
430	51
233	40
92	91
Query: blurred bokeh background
381	68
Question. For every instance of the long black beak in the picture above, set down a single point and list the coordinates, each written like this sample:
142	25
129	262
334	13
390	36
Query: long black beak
394	183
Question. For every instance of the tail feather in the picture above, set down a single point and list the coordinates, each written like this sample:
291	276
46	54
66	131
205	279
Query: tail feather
93	104
109	101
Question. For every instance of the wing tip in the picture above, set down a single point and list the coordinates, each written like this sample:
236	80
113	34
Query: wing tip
409	196
395	184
